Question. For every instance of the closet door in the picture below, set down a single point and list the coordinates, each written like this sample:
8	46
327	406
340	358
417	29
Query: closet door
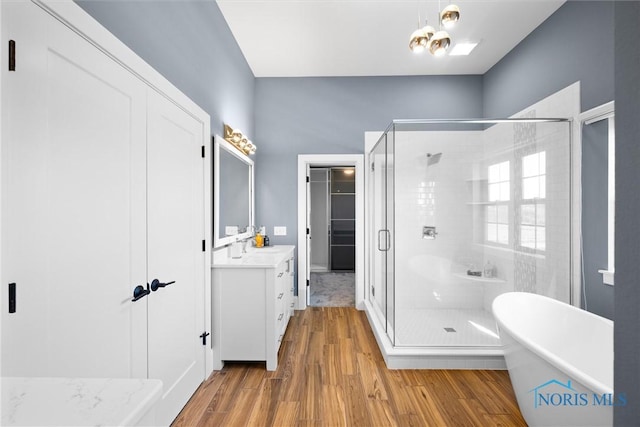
73	204
175	209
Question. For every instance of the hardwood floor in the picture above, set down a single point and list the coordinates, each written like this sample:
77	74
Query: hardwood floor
331	373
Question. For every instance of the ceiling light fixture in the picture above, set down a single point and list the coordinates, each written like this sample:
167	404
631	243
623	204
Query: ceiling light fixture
450	15
238	140
437	42
440	43
421	38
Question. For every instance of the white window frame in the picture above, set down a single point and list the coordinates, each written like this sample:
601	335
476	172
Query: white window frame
607	112
497	203
536	202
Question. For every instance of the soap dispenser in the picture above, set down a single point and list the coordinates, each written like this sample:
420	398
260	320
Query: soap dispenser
259	240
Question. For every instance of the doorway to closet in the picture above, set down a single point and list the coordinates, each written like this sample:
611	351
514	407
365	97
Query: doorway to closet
332	220
351	265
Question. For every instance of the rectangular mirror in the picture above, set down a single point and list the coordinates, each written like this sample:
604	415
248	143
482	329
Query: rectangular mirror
232	194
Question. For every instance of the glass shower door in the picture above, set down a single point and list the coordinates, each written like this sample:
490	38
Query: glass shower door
381	216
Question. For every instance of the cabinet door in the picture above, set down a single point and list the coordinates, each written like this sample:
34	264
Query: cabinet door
73	204
175	221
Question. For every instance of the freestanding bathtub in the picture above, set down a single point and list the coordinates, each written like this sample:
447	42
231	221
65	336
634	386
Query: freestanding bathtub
560	360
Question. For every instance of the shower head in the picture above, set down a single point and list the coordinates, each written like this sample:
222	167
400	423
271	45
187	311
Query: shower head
432	159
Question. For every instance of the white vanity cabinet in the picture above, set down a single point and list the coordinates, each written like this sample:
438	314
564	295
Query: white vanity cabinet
252	303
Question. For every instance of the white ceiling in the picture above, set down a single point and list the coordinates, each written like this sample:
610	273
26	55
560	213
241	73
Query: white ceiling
302	38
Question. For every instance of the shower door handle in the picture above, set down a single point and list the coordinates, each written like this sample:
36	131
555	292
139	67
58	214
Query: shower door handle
387	240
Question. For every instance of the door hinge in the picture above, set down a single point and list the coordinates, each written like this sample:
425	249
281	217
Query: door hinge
204	336
373	167
12	297
373	291
308	180
203	151
204	246
308	283
12	55
308	232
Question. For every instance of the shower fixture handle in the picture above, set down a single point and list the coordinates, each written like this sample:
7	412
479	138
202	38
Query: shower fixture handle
387	240
429	232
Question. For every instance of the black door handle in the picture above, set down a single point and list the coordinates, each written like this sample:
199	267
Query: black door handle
204	337
139	292
155	284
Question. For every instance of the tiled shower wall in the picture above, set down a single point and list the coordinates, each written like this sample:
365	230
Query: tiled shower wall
449	195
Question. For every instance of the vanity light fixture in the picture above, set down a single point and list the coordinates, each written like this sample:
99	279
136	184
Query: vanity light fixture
437	42
238	140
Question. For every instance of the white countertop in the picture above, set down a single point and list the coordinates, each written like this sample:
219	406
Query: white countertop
267	257
77	401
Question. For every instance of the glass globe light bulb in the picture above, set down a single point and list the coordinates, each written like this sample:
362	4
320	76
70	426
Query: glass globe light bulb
450	15
440	43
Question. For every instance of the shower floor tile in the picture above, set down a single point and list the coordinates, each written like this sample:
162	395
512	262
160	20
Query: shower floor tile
432	327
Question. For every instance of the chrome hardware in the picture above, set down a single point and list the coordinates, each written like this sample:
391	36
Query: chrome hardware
429	232
387	240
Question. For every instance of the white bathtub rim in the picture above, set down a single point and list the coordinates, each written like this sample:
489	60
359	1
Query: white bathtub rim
560	364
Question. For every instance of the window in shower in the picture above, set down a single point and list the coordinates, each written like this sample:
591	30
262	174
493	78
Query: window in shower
497	212
532	207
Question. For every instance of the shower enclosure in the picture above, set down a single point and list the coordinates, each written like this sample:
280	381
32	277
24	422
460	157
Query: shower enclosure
461	211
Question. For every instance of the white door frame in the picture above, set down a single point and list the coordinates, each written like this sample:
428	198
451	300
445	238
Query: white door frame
305	161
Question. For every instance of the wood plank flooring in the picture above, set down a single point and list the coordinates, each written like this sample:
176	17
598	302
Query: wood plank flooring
331	373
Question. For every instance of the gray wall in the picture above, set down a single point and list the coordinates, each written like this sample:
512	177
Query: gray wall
627	288
329	116
595	212
575	43
190	44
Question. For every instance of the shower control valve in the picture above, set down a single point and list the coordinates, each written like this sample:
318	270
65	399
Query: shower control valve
429	232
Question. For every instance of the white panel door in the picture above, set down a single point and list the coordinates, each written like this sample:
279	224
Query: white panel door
175	210
74	237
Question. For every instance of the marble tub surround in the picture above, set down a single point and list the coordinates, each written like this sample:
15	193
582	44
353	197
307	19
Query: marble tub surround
79	401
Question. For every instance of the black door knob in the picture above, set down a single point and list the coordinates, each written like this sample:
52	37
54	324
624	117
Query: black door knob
140	292
155	284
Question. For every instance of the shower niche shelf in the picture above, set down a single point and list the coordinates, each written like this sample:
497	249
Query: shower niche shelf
479	279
